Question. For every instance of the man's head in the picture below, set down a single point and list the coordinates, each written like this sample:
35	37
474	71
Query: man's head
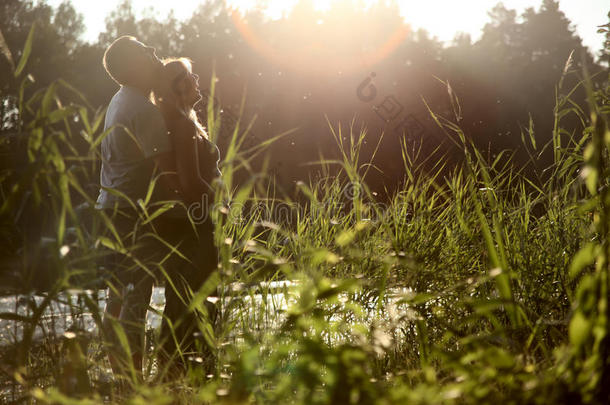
130	62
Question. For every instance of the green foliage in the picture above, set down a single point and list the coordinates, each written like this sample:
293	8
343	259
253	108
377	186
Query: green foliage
27	49
510	73
477	286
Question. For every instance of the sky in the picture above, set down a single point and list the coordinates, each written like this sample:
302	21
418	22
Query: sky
467	16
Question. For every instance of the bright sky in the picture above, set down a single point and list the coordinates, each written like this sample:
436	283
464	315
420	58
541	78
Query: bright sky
470	18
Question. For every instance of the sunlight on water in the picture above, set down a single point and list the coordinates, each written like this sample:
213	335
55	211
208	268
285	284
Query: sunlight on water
253	311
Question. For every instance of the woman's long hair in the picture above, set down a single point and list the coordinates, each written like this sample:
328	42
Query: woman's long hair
167	98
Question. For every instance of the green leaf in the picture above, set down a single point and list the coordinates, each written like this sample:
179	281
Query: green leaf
59	114
4	49
579	329
500	358
345	238
583	258
84	115
27	49
165	207
211	115
97	120
120	195
75	91
61	227
99	139
151	188
112	245
48	98
322	255
34	143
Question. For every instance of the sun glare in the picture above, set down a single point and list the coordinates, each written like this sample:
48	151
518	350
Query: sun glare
441	18
340	43
275	9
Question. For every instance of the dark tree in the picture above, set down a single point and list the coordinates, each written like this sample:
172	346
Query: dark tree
297	71
57	38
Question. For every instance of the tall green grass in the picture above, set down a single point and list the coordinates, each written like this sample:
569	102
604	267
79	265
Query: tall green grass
475	285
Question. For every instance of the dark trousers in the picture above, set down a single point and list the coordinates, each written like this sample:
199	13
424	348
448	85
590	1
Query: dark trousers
169	250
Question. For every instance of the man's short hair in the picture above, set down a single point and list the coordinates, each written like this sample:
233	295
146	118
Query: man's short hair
118	59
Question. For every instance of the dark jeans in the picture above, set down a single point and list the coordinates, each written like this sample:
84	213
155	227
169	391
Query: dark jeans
168	250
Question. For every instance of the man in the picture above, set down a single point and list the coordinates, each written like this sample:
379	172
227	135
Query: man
137	153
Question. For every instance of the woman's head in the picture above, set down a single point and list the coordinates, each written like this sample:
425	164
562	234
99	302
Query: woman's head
179	91
180	85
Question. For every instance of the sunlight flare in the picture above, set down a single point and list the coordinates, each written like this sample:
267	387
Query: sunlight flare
325	34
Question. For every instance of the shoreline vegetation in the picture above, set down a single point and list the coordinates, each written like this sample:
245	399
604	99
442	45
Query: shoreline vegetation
505	279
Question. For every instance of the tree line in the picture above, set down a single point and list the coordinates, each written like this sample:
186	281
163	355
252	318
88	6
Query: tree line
349	68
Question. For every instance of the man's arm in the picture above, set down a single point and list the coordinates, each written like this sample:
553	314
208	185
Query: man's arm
168	180
151	132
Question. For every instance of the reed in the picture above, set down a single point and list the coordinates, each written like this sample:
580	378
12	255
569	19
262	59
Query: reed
477	284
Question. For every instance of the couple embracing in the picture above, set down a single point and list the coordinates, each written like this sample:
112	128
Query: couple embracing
156	151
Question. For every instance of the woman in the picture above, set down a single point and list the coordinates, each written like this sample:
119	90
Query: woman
197	168
196	157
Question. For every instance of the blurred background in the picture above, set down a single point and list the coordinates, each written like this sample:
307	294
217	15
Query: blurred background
352	65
